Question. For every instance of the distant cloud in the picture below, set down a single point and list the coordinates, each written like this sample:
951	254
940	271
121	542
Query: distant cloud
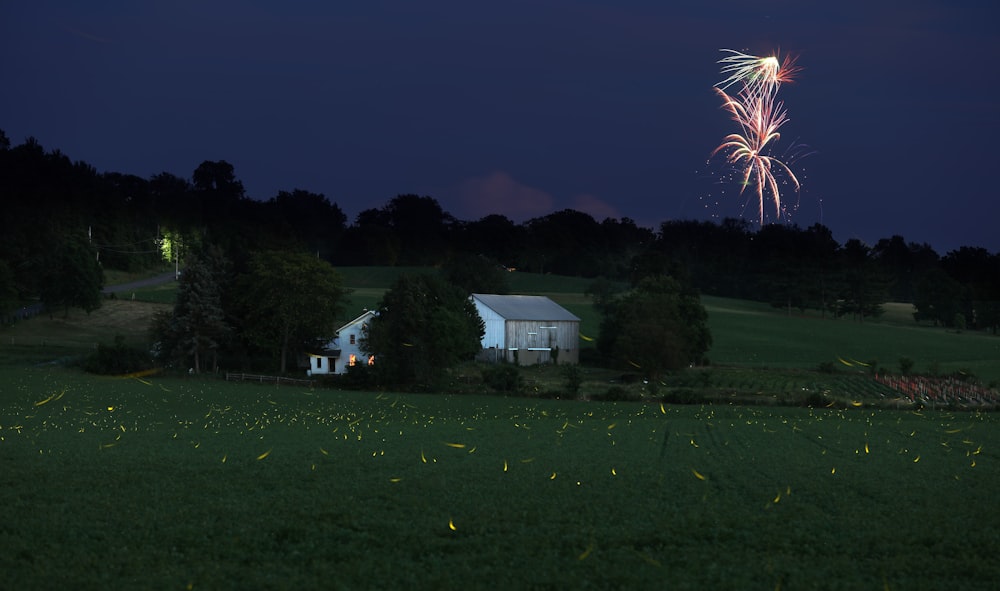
596	208
500	193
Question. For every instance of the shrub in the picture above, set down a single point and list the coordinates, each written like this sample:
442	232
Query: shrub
816	400
827	367
683	396
359	376
503	378
619	394
574	378
117	359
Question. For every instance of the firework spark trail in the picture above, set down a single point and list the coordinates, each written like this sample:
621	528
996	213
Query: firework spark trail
759	115
758	76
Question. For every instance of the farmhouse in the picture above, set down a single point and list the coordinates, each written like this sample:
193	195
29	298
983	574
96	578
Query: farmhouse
527	329
344	350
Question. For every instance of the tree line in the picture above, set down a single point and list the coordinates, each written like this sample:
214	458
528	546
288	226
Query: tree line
64	222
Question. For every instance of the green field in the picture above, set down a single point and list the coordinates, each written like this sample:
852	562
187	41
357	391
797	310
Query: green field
171	483
754	346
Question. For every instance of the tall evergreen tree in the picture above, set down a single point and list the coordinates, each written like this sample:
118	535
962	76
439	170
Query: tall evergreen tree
199	320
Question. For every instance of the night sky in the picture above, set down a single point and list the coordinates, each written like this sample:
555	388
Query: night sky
524	108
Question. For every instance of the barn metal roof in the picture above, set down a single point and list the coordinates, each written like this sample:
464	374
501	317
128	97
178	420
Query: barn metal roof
525	307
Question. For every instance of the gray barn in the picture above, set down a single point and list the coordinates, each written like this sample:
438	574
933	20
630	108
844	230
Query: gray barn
529	329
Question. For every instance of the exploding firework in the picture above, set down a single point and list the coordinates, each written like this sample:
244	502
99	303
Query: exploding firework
760	115
756	74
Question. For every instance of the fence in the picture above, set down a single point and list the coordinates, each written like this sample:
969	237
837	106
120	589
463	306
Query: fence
261	379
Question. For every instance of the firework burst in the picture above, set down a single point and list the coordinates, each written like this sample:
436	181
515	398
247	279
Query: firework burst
759	115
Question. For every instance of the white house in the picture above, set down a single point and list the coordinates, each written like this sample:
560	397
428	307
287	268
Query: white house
528	329
344	350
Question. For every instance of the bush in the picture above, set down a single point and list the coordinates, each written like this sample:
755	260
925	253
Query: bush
117	359
619	394
503	378
816	400
574	378
683	396
359	376
827	367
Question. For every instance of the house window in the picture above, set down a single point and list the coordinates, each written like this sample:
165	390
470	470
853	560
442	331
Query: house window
353	341
319	363
353	359
371	360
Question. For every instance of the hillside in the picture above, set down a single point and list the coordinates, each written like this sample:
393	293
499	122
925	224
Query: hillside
745	334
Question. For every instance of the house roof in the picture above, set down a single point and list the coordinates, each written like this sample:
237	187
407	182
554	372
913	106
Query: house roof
525	307
364	316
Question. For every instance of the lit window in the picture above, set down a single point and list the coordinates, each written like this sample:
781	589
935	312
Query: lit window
353	360
371	360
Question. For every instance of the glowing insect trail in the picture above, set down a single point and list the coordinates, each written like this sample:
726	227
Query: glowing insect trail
760	115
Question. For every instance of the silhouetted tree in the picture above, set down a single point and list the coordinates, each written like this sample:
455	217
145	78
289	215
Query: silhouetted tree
309	219
218	189
422	227
904	263
494	236
979	274
8	291
198	327
623	240
566	242
424	325
72	277
657	327
290	301
475	274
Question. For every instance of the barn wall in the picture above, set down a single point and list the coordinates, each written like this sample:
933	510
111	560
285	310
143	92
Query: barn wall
565	335
494	335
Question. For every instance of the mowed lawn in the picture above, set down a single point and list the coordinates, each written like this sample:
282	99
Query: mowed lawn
173	483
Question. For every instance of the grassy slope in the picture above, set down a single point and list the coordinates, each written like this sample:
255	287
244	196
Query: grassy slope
745	334
756	335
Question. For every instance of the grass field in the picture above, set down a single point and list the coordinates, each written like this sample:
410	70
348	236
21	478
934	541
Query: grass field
112	483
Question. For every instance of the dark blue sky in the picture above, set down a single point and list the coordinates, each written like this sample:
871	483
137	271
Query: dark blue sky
525	107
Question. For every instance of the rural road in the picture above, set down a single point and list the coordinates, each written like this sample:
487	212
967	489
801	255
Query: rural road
36	309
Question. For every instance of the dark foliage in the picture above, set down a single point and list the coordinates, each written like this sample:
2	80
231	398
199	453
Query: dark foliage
117	359
573	376
424	325
657	327
503	377
475	274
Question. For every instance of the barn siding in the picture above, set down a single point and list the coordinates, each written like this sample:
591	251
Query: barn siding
532	339
495	333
